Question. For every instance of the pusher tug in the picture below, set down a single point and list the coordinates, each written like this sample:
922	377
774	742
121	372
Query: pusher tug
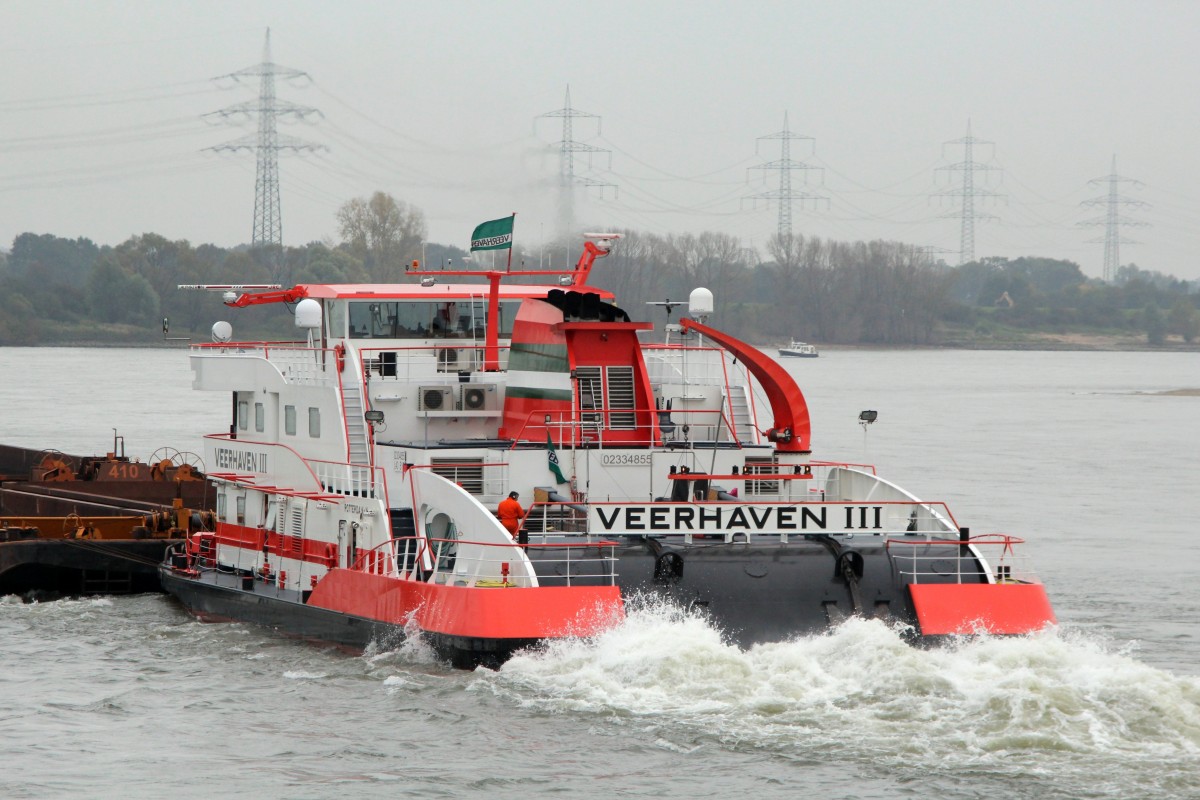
358	483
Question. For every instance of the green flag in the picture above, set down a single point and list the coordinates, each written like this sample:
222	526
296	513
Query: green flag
496	234
552	460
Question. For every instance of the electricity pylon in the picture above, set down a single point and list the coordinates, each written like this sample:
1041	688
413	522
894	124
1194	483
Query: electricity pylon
968	193
267	144
567	148
783	194
1113	219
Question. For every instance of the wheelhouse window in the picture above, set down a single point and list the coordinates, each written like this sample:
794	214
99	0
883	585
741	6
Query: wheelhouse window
464	318
335	319
314	422
260	417
289	420
243	414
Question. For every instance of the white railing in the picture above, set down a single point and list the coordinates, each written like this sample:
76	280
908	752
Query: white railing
990	558
351	480
296	363
558	564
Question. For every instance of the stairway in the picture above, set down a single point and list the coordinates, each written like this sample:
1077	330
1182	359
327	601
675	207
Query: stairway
743	425
356	426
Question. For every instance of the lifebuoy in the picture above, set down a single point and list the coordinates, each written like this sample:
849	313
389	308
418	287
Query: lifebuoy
339	354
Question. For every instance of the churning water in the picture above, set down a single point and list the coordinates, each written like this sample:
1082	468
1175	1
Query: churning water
1078	452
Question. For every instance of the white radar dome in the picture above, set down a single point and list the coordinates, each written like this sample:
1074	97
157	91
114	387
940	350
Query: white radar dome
222	331
700	302
308	313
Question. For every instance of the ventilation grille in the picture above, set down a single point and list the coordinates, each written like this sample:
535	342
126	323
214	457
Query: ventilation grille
468	476
621	399
591	394
761	466
297	520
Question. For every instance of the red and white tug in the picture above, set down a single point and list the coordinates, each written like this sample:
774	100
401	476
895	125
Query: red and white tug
358	482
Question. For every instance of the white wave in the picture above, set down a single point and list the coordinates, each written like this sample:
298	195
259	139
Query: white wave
860	691
297	675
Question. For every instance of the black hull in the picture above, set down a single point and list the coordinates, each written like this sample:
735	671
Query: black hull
220	598
74	567
770	592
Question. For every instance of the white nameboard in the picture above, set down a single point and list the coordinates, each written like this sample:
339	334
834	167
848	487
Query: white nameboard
720	518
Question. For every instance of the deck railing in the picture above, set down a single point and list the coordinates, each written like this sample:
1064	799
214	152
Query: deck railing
988	558
555	564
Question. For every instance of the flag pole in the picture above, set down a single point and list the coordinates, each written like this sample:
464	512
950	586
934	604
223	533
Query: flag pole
510	244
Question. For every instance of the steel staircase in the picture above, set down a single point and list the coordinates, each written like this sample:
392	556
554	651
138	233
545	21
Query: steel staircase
356	426
742	422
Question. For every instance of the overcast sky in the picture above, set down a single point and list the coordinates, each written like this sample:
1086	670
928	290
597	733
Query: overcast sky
102	132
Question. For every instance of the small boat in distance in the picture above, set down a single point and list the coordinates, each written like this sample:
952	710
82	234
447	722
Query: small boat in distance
796	349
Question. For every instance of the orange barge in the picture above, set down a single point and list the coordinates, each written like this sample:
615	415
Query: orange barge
72	525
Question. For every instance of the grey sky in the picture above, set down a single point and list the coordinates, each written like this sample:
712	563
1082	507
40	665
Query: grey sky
101	132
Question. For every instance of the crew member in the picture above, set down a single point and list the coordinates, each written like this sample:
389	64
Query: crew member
510	513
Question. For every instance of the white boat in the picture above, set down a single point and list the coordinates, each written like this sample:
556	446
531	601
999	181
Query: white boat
359	481
797	349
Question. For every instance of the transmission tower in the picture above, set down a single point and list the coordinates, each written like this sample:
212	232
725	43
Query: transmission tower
1113	219
785	166
267	144
968	193
567	148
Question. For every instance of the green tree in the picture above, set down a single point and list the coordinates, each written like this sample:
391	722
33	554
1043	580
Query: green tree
115	295
1184	320
383	232
1154	324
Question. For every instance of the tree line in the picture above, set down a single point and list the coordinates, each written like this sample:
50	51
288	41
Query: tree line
59	290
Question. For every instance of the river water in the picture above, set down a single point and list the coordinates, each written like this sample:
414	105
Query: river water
1080	453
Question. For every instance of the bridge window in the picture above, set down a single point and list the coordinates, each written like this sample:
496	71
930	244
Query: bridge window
260	417
289	420
243	415
464	318
314	422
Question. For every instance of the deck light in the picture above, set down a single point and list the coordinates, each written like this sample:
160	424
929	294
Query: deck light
374	416
428	281
867	417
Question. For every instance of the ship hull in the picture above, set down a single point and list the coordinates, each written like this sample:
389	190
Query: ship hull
75	567
465	627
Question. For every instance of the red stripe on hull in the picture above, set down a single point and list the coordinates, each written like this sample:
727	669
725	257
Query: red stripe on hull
964	608
500	613
313	551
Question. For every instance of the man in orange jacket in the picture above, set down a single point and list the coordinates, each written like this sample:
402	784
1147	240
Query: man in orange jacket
510	513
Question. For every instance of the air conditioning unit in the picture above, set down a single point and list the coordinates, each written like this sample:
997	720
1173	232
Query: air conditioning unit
478	397
436	398
451	359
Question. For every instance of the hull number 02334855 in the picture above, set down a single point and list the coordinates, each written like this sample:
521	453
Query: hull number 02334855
626	460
